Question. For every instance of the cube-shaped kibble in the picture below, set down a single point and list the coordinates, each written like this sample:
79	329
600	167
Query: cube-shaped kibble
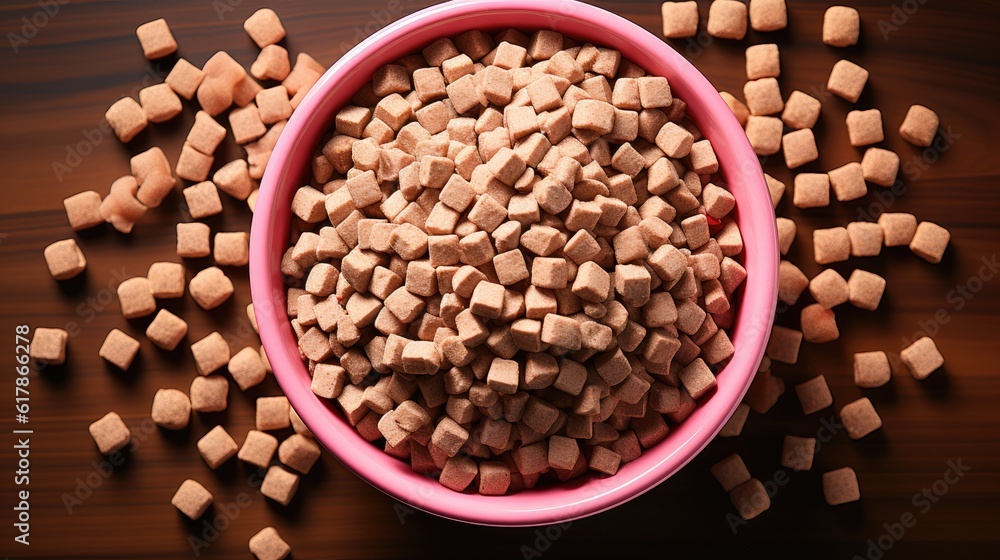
865	127
209	393
865	289
232	248
922	357
247	368
193	240
930	241
848	182
184	78
697	378
814	395
299	452
860	418
768	15
831	245
135	297
49	346
801	110
776	189
829	288
159	102
786	234
272	64
791	282
272	413
847	80
192	164
192	499
279	485
763	61
763	96
797	453
246	124
210	353
127	118
210	288
603	460
871	369
680	19
783	345
799	147
841	26
458	473
166	330
203	200
264	27
727	19
258	449
217	447
110	433
166	279
171	409
273	105
812	190
119	349
764	134
267	544
730	472
64	259
156	39
234	180
819	324
734	426
866	239
841	486
750	499
84	210
205	135
919	126
898	228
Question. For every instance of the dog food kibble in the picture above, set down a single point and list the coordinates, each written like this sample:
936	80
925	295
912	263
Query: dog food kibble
193	240
110	433
192	499
922	357
734	426
83	210
763	96
299	452
865	127
166	330
797	453
210	353
135	297
814	395
783	345
264	27
847	80
65	259
812	190
279	485
831	245
791	282
848	182
764	134
232	248
680	19
768	15
267	544
160	103
258	449
127	118
841	26
209	393
184	78
166	280
156	39
750	499
119	349
786	234
731	472
880	166
860	418
898	228
930	241
247	368
866	239
48	345
871	369
272	413
801	110
763	62
919	126
841	486
727	19
819	324
210	288
202	199
865	289
799	148
217	447
171	409
829	288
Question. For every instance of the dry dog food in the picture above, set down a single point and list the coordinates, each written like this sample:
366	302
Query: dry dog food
171	409
768	15
680	19
209	393
267	544
166	330
847	80
922	357
49	345
65	259
110	433
192	499
860	418
841	26
814	395
871	369
530	250
119	349
797	453
727	19
156	39
840	486
217	447
919	126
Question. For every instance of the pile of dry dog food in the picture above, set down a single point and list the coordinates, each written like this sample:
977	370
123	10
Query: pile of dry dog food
514	259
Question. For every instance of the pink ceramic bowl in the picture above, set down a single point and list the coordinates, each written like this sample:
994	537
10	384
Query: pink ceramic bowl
286	171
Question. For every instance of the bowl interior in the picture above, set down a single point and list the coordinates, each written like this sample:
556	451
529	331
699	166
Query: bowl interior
741	173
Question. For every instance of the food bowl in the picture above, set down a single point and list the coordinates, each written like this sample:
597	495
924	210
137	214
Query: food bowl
741	173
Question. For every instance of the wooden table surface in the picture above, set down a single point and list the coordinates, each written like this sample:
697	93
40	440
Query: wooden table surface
53	94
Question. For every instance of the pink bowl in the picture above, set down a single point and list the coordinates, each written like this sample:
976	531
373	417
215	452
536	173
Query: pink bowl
740	168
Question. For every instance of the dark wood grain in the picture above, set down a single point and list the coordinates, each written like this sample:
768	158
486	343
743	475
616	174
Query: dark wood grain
945	55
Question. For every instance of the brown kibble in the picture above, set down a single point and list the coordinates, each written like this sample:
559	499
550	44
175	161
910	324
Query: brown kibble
272	413
829	288
847	80
819	324
812	190
119	349
458	473
791	282
49	345
166	330
135	297
184	78
860	418
258	448
922	357
763	61
264	27
206	134
764	134
734	426
871	369
919	126
814	395
156	39
831	245
127	118
750	499
279	485
866	239
865	127
192	499
727	19
840	486
680	19
247	368
783	345
848	182
299	452
267	544
898	228
209	393
865	289
203	200
801	110
786	234
930	241
192	164
841	26
193	240
768	15
210	353
730	472
763	96
64	259
246	124
797	453
159	102
210	288
232	248
799	148
171	409
110	433
83	210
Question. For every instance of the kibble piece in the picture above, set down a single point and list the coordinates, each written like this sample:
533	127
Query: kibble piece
272	413
603	460
246	124
848	182
267	544
860	418
799	148
680	19
279	485
83	210
783	345
768	15
232	248
697	378
841	26
171	409
730	472
871	369
812	190
763	96
866	239
166	330
865	127
217	447
258	449
738	108
814	395
299	452
865	289
184	78
119	349
764	134
264	27
64	259
829	288
922	357
750	499
110	433
210	353
234	179
127	118
247	368
210	288
930	241
209	393
192	499
135	297
786	234
193	240
791	282
206	133
831	245
166	280
49	345
192	164
819	324
801	110
797	453
156	39
203	200
763	62
159	102
458	473
840	486
703	158
919	126
847	80
898	228
727	19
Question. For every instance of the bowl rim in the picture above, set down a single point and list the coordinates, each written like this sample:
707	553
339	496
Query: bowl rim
568	501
